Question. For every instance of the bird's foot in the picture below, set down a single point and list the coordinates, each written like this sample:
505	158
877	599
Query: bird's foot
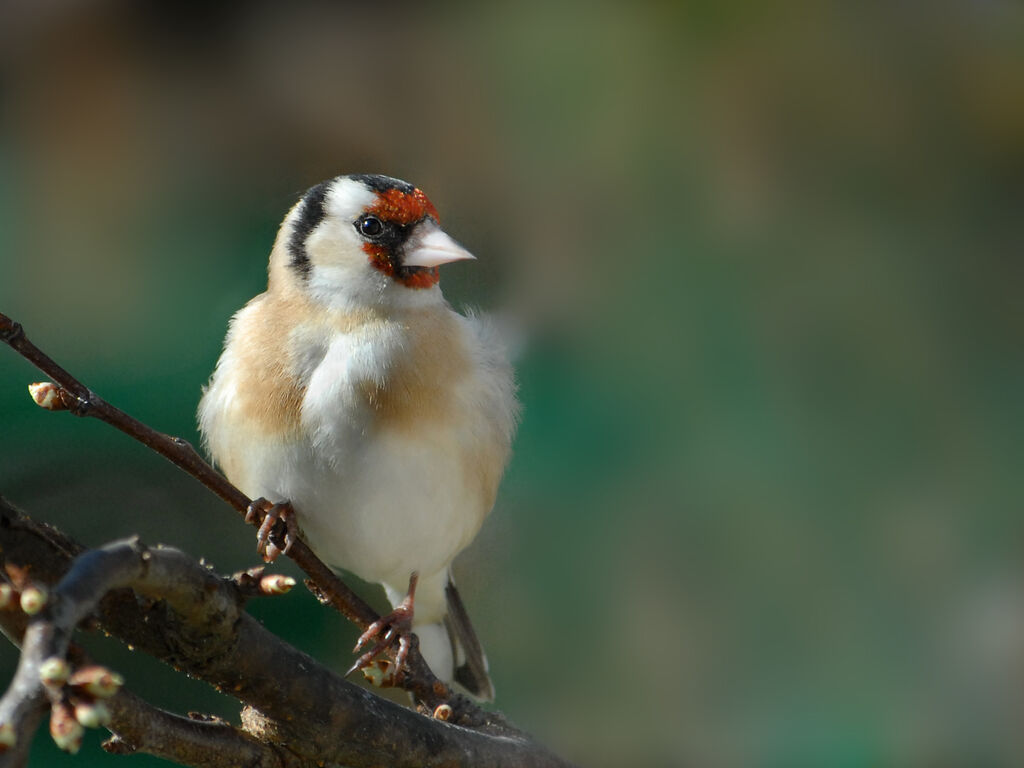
277	522
394	628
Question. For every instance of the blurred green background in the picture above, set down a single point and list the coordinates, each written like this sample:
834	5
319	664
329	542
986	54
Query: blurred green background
764	265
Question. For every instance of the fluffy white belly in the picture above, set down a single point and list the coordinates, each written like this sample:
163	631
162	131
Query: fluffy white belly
386	506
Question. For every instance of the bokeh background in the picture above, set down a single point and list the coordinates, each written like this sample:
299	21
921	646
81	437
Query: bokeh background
762	266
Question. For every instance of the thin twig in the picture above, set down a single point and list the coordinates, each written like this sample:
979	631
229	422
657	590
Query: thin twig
81	401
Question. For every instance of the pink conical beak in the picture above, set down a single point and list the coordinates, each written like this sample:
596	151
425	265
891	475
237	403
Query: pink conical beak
434	248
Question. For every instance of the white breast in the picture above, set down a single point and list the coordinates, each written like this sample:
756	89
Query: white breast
382	500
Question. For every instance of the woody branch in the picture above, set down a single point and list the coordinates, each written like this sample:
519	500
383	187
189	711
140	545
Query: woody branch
183	613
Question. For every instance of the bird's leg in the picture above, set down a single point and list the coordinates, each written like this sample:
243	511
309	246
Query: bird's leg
274	517
394	627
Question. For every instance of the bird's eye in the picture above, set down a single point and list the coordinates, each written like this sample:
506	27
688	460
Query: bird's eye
370	226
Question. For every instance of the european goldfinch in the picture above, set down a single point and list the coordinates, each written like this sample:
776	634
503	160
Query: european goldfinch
353	390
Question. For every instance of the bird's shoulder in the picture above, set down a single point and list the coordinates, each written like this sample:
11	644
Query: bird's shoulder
275	346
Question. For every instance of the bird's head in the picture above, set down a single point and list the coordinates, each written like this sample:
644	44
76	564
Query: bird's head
363	240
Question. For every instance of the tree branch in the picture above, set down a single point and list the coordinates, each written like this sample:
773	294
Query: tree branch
194	620
36	548
140	727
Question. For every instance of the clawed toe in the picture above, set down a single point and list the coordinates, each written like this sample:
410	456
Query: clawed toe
395	627
275	517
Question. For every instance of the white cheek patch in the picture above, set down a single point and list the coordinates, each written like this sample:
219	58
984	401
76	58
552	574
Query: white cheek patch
338	275
334	241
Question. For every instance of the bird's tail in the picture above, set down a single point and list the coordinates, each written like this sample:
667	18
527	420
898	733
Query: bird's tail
450	646
470	662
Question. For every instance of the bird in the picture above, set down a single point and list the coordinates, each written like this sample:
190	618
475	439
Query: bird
351	390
